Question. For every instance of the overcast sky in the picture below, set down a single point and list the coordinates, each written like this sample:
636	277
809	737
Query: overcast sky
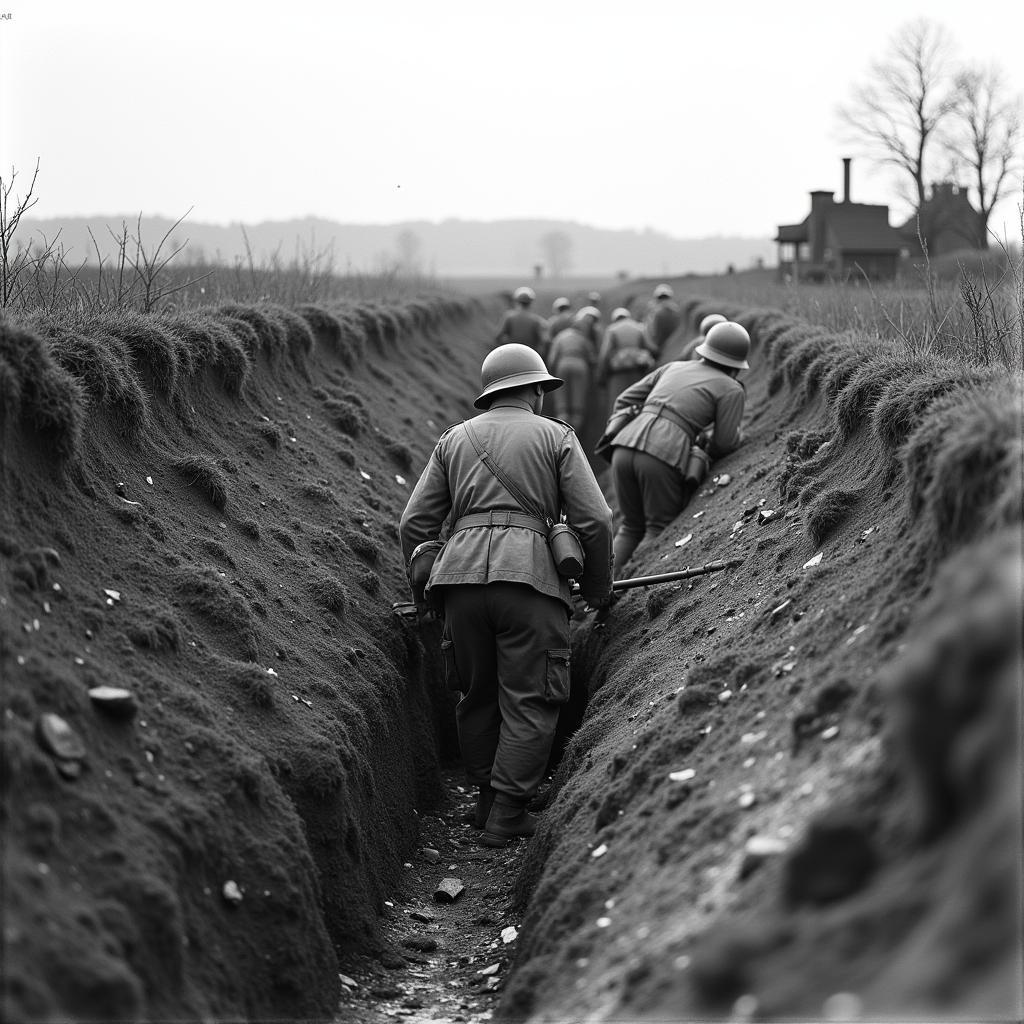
693	118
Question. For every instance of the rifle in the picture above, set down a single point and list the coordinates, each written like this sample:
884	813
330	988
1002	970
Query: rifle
408	610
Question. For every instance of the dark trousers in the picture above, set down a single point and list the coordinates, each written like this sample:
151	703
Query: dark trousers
570	400
507	650
650	494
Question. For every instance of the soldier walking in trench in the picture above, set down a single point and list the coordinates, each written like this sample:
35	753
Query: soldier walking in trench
506	608
663	317
572	356
657	421
624	357
521	325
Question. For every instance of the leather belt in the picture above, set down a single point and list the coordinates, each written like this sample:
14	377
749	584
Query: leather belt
501	517
670	414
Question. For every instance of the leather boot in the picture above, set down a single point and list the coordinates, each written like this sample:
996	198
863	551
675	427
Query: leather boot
484	800
508	819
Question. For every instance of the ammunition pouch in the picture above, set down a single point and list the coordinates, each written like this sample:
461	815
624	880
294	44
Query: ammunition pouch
420	565
566	550
696	466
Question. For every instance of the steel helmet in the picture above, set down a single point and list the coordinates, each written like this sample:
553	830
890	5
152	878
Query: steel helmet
663	291
585	312
620	313
726	344
561	303
709	321
512	366
524	295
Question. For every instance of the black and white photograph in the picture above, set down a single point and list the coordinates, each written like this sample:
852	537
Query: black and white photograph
511	513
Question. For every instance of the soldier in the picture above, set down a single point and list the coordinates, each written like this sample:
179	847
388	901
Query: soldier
572	356
560	319
506	609
679	403
521	326
663	317
624	357
689	350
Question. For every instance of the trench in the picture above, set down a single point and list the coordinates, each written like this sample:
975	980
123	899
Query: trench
331	794
723	734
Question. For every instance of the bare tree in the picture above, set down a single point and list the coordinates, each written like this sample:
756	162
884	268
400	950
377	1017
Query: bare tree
18	263
985	136
896	113
557	249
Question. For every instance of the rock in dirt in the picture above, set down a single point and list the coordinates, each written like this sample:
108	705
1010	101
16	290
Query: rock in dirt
231	893
422	917
834	860
423	943
843	1006
58	739
757	851
347	981
430	855
392	961
114	701
448	890
816	560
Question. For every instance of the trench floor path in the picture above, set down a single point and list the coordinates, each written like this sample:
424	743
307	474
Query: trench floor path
443	962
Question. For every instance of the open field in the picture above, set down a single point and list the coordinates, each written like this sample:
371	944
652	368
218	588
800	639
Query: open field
234	475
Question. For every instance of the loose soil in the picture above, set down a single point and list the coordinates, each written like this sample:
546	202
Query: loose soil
788	792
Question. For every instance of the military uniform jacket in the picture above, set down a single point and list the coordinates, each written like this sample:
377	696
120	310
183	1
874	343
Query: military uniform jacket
621	336
661	324
570	344
544	459
523	328
679	400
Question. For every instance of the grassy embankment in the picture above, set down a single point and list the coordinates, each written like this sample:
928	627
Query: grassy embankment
857	718
198	507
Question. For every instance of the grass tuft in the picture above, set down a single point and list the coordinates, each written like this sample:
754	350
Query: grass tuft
328	592
827	511
206	476
38	391
400	453
256	683
346	416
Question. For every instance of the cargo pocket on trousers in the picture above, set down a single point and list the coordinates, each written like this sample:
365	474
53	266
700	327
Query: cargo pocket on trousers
451	672
556	675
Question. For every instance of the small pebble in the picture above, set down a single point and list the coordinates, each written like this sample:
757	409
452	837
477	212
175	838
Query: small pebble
843	1006
231	893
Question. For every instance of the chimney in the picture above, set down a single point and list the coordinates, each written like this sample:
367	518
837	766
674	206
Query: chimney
846	179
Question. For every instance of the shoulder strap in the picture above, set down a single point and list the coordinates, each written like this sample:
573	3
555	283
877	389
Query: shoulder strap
524	503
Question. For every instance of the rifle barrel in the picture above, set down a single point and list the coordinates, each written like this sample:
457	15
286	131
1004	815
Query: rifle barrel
669	577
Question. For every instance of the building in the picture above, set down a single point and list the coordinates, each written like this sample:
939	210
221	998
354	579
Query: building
946	222
840	240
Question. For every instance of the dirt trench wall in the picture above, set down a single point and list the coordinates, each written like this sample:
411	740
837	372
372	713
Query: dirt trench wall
795	792
201	509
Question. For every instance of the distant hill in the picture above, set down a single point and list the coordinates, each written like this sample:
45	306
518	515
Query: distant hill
451	248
